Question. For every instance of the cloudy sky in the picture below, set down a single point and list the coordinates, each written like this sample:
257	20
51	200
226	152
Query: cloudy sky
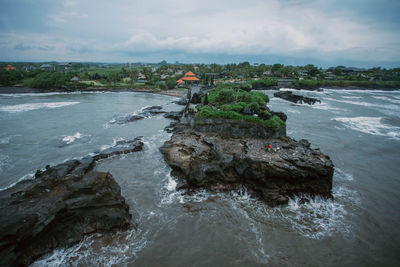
323	32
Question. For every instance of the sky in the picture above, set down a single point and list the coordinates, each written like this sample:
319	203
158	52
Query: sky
361	33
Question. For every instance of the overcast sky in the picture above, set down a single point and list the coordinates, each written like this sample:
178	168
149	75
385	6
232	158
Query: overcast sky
326	33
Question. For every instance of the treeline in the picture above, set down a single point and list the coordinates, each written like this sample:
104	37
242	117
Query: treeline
37	79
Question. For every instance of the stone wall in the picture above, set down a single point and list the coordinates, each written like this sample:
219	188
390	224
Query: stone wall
234	128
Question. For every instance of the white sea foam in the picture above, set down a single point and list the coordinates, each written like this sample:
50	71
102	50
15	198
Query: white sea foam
35	106
5	140
28	176
327	107
370	125
352	97
388	99
342	175
4	162
69	139
93	251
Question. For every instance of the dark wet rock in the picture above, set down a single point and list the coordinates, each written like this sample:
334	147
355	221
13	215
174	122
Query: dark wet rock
182	101
122	147
174	115
247	111
171	127
281	115
145	113
209	160
153	108
230	128
133	118
60	206
152	111
289	96
196	98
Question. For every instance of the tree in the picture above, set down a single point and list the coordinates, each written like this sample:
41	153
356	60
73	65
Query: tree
134	74
312	70
148	73
170	82
276	68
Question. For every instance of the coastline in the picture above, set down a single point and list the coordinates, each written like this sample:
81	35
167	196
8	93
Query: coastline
26	90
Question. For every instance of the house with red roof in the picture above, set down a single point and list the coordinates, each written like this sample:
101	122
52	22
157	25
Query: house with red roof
9	67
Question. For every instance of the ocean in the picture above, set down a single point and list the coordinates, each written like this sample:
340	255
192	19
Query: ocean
358	129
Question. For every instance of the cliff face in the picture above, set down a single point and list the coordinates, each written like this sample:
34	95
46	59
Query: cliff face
220	162
61	205
235	128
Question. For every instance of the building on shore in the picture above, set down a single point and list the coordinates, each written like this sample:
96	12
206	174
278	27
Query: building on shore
189	78
9	67
47	67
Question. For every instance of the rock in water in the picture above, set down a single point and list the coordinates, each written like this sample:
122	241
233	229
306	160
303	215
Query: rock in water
289	96
61	205
218	162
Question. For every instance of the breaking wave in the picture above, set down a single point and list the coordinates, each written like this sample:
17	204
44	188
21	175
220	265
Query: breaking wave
319	218
370	125
69	139
35	106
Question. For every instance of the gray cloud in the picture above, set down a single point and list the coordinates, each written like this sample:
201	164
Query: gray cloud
292	30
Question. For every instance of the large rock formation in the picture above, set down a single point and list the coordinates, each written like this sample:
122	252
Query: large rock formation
218	162
61	205
289	96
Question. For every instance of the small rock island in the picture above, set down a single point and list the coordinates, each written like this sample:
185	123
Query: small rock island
60	206
233	139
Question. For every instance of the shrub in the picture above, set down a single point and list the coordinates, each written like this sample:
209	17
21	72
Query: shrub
162	86
254	107
170	82
273	123
237	107
225	96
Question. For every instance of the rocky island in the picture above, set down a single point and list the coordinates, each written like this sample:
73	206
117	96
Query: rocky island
60	206
233	139
289	96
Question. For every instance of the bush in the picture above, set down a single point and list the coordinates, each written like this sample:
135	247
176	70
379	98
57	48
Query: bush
170	82
273	123
49	80
237	107
225	96
206	112
254	107
11	77
162	86
265	83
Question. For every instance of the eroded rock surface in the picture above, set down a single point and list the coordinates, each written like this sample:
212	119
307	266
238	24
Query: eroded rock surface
61	205
289	96
218	162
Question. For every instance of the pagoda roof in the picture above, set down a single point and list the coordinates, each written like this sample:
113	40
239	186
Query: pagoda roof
189	74
190	78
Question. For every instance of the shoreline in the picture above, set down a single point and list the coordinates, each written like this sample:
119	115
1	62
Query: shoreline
27	90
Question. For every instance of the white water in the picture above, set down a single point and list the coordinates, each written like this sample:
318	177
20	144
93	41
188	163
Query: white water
34	106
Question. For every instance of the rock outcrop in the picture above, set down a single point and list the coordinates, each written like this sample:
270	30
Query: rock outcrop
145	113
61	205
289	96
217	162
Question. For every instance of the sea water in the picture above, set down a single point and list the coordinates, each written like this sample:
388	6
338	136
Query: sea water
359	130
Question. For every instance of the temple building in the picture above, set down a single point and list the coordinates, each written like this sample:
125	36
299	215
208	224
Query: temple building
189	78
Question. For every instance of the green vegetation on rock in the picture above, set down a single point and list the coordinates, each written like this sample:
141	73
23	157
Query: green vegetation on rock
229	103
